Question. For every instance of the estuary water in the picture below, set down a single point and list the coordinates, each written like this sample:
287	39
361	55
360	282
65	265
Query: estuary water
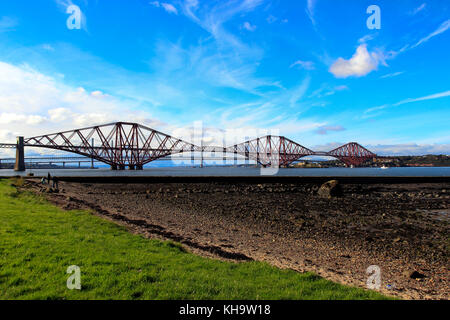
239	172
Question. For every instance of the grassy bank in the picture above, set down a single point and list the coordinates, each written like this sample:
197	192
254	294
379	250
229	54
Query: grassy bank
38	241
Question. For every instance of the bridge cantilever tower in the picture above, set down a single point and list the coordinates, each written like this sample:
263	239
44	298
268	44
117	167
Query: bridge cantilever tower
352	154
125	144
271	150
121	144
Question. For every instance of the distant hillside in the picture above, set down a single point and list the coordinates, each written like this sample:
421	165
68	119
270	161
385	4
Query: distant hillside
400	161
413	161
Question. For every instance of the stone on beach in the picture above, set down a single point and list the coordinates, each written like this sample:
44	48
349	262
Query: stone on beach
330	189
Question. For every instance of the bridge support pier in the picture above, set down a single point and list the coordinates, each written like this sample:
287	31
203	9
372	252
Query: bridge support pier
20	155
139	167
121	167
131	167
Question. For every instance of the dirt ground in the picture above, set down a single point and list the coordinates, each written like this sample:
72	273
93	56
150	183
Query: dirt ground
402	228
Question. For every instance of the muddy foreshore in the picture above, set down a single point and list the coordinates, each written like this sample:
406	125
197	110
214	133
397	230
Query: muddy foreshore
402	228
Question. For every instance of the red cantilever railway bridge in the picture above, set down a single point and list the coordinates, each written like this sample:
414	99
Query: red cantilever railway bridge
124	144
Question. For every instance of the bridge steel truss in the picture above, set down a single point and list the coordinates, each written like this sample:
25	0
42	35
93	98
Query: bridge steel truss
274	151
352	154
121	144
124	144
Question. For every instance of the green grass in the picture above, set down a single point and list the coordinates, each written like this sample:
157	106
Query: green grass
38	241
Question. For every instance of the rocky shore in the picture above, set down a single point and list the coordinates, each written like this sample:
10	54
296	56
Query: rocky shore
337	230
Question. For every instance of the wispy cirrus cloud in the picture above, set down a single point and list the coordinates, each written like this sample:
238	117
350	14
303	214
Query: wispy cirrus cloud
8	24
418	9
323	130
367	38
310	10
441	29
391	75
327	90
248	26
406	47
223	55
212	17
170	8
429	97
271	19
299	91
307	65
336	89
411	100
377	108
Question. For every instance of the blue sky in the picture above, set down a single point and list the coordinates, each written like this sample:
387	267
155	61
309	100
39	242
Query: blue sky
309	69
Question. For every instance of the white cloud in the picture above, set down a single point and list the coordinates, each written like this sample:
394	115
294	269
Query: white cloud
97	94
410	149
307	65
24	90
33	103
361	63
248	26
323	130
59	114
166	6
272	19
442	28
7	136
16	118
169	8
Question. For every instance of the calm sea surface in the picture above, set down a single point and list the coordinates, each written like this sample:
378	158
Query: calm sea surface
240	171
